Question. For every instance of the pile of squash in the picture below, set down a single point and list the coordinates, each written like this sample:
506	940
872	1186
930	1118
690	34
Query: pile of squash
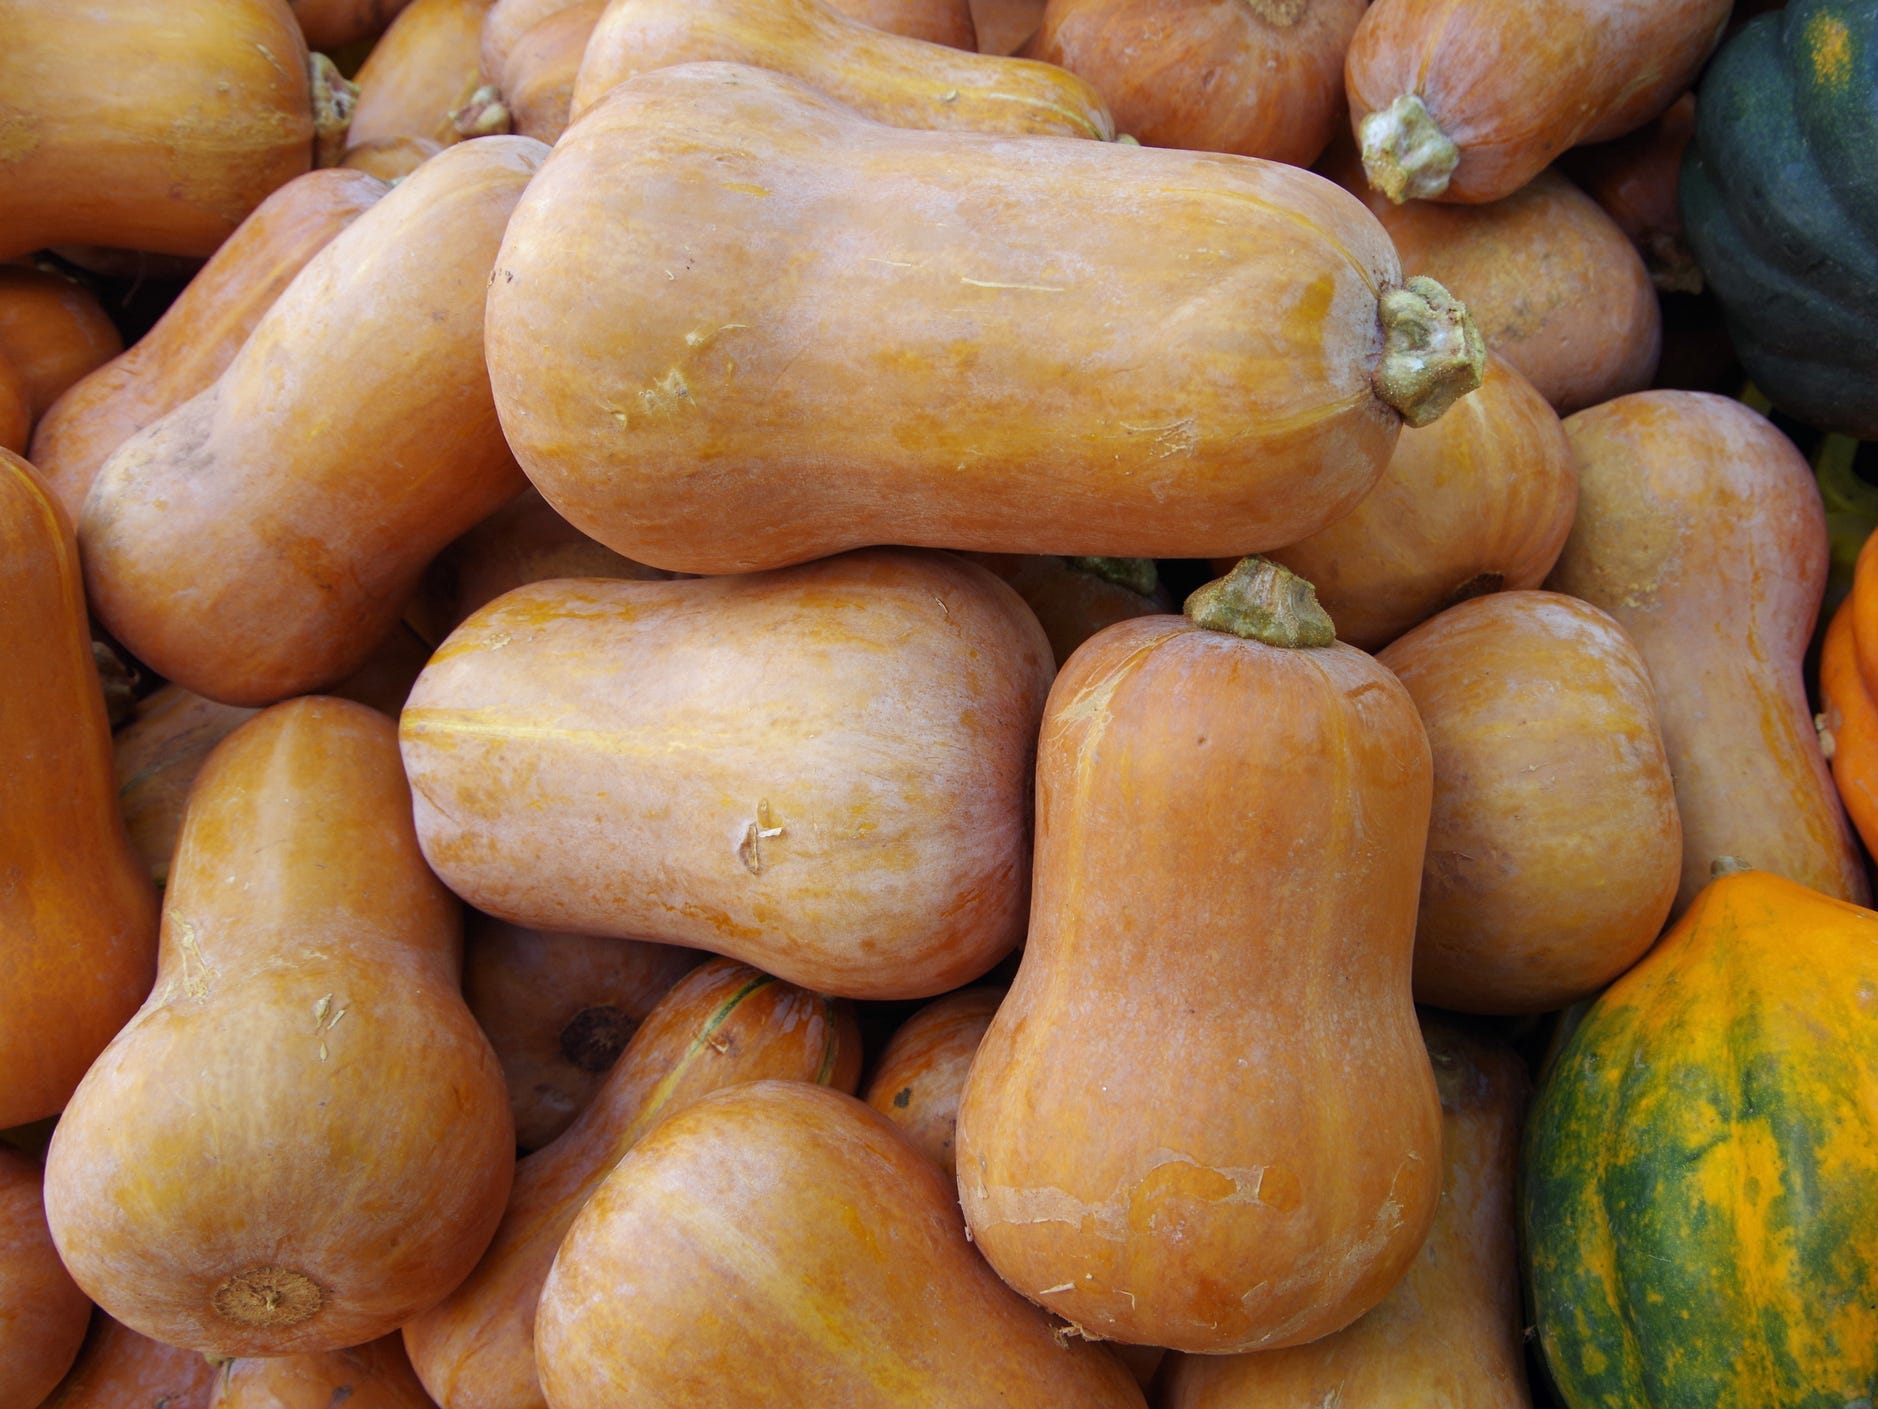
894	702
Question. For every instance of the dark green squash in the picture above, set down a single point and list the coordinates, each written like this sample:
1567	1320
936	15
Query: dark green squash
1779	195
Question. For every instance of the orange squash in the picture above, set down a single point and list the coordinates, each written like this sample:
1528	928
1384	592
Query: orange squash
376	1375
16	412
1478	502
826	1264
932	334
921	1071
505	24
119	1369
53	331
723	1024
890	78
1076	597
148	124
1449	1334
302	1139
334	24
1213	877
391	159
198	336
1263	78
947	22
537	78
1700	529
559	1009
823	771
1468	100
426	66
78	916
1554	849
1003	26
1849	725
248	559
43	1314
1634	179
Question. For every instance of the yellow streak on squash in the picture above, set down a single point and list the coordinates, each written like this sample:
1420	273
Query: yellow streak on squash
1829	50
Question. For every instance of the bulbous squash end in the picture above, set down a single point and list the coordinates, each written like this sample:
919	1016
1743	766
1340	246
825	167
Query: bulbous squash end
1432	353
1406	155
334	97
267	1297
1261	601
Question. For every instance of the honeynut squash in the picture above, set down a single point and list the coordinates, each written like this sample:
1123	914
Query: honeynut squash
735	325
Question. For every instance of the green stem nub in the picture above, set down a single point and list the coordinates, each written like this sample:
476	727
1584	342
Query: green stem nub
1432	354
484	115
1405	153
1261	601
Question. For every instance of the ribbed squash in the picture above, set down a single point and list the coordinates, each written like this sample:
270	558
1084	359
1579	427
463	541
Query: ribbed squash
1701	1166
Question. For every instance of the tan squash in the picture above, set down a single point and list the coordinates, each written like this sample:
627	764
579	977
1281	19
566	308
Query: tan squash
302	1139
827	1265
1555	848
1003	26
559	1009
119	1369
1263	78
937	363
1700	529
43	1314
890	78
78	917
921	1071
1218	962
334	24
1449	1334
1468	100
948	22
1552	283
537	79
1478	502
251	544
148	124
53	331
426	67
200	333
505	24
723	1024
376	1375
823	771
1076	597
523	541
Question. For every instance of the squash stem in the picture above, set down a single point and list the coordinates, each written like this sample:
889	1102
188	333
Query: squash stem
1432	354
334	97
484	115
1261	601
1405	153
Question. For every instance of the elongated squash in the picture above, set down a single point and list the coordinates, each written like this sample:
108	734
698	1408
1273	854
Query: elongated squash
933	363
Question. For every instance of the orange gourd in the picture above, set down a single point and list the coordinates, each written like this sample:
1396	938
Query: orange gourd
921	1071
1003	26
887	77
537	78
936	364
1231	816
119	1369
1076	597
825	1264
1634	179
948	22
200	333
334	24
1700	529
823	771
302	1139
723	1024
43	1315
1263	78
376	1375
149	124
391	159
1467	100
1849	725
248	560
1481	501
425	67
78	916
1554	849
505	24
53	331
16	412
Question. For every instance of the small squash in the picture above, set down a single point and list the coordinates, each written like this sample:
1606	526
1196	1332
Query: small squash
1848	726
1634	179
890	78
1701	1163
376	1375
53	331
1215	880
948	22
723	1024
1076	597
119	1369
1003	26
921	1072
1700	529
826	1264
16	411
201	331
537	78
334	24
43	1314
248	558
1468	100
302	1139
935	364
425	68
78	916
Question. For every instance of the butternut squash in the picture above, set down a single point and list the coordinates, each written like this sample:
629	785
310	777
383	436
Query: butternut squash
43	1314
1634	179
948	22
391	159
376	1375
334	24
248	558
53	331
1003	26
200	333
1700	529
935	364
119	1369
426	66
1215	878
826	1264
78	917
537	78
920	1073
1848	726
16	412
723	1024
823	771
302	1139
